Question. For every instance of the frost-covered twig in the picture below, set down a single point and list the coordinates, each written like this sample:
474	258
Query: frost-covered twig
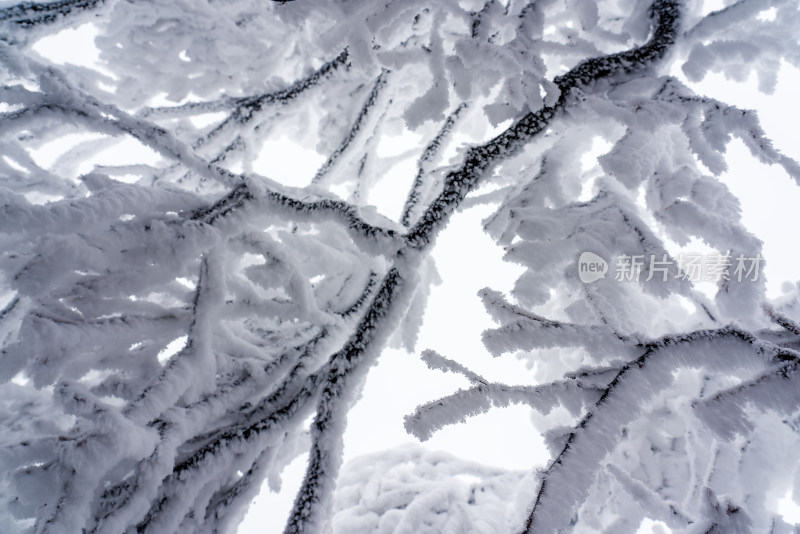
130	498
228	506
178	491
358	125
358	304
478	161
434	360
373	238
430	417
666	16
62	99
709	124
245	105
248	108
283	410
414	200
780	319
252	103
650	500
522	329
192	371
29	15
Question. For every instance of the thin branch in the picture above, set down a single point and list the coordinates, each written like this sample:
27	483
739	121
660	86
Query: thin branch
423	165
434	415
782	320
374	239
245	106
358	304
9	308
478	162
29	15
434	360
357	126
227	506
248	108
188	367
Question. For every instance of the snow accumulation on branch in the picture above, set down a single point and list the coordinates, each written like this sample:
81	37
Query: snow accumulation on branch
592	438
169	326
30	15
244	107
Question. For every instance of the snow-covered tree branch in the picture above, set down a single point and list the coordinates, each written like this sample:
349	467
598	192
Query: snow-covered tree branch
175	330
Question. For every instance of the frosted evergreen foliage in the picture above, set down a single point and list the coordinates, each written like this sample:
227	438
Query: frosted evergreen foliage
175	331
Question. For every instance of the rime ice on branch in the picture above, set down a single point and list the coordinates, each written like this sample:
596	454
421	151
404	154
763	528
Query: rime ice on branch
169	326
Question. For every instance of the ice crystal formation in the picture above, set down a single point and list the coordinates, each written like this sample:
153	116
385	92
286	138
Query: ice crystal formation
280	292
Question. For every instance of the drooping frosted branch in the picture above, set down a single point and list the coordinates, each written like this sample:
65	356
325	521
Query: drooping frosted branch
244	106
373	238
430	417
436	361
